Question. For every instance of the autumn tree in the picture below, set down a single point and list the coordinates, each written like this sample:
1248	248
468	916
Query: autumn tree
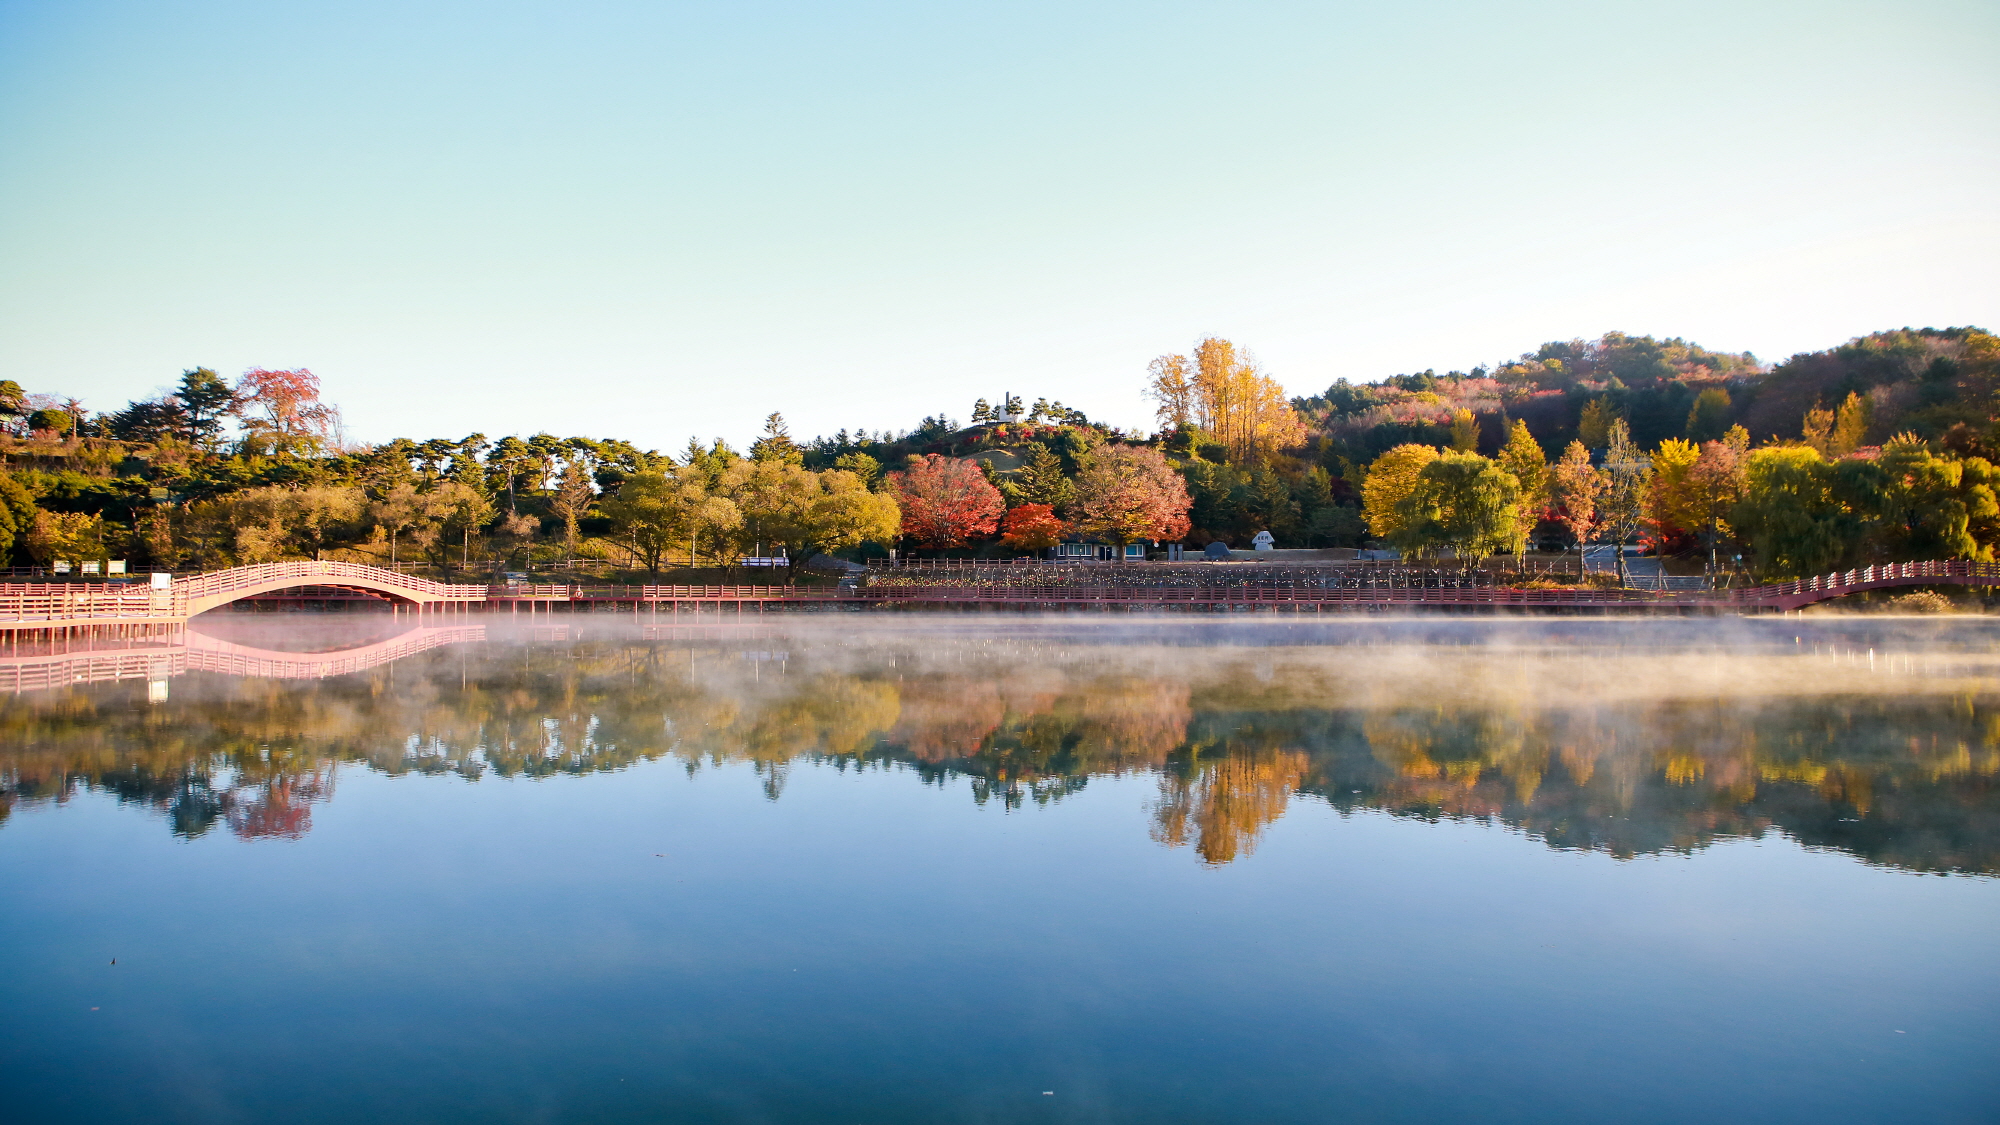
394	512
1032	527
69	536
1129	493
1391	478
455	509
945	502
840	511
1850	426
1575	485
1674	507
1464	432
1717	479
1523	457
1173	390
319	517
1226	395
1817	430
282	413
274	522
810	513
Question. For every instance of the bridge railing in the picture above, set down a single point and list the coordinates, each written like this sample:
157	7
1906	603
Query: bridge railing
244	577
667	593
1253	595
61	602
1951	570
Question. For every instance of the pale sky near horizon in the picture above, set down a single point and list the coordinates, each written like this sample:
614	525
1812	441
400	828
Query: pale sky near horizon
655	220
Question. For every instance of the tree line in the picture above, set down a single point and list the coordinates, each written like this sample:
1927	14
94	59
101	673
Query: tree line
1879	449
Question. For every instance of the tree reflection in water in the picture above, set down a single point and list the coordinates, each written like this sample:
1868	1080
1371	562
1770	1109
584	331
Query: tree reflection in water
1622	751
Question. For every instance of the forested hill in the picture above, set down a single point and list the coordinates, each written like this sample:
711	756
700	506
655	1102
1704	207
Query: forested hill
214	474
1938	383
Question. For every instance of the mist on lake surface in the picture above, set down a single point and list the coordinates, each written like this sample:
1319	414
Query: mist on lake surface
1879	737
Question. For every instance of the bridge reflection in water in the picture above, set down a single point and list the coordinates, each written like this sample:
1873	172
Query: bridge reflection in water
1877	739
203	652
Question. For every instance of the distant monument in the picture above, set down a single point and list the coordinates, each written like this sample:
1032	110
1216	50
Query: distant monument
1262	541
1215	550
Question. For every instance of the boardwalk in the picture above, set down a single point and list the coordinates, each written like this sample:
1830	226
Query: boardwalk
56	615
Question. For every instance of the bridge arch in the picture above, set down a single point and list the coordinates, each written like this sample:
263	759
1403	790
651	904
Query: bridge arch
203	592
1826	587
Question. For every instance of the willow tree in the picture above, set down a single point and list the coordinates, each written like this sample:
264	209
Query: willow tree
654	512
810	513
1463	503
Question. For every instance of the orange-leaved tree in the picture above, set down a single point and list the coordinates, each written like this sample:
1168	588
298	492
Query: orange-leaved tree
1129	493
946	502
282	412
1032	527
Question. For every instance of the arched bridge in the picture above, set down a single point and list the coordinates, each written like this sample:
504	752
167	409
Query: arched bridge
46	605
203	592
1806	591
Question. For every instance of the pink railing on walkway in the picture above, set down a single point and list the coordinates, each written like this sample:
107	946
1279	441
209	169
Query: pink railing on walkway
58	603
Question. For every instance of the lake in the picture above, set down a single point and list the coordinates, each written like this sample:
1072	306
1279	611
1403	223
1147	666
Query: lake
991	869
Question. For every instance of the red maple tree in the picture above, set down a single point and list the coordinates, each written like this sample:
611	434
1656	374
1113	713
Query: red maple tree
1032	527
283	409
1129	493
945	502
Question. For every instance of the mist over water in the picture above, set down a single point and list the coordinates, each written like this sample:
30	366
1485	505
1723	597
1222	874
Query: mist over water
1174	869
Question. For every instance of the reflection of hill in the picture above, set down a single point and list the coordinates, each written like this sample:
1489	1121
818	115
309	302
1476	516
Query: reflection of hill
1619	753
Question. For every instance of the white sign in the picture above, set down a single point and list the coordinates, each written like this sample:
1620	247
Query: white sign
1262	541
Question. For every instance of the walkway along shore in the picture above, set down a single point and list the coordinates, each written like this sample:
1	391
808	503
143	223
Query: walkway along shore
55	614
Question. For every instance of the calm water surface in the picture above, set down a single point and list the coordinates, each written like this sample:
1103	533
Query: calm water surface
972	870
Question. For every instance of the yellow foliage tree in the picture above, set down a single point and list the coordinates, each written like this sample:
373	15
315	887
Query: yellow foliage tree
1224	393
1391	478
1678	501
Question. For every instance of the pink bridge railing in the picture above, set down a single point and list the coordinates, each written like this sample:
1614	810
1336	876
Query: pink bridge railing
331	573
1832	585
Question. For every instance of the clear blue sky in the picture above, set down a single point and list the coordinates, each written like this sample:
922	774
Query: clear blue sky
656	220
